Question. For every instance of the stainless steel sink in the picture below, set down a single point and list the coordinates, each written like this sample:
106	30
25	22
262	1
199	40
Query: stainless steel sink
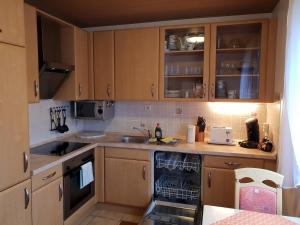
134	139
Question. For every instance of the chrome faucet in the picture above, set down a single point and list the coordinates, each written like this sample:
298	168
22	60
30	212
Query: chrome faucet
143	131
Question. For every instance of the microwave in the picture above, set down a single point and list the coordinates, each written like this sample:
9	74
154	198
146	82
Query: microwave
94	110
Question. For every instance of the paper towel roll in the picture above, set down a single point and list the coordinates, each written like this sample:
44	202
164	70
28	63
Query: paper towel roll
191	134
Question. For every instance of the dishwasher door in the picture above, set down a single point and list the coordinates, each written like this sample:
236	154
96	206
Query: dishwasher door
167	213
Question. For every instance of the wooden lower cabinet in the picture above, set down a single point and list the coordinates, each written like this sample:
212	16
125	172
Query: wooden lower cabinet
47	204
15	205
127	182
218	187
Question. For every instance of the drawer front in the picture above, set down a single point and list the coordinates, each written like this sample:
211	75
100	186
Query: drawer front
125	153
232	162
46	177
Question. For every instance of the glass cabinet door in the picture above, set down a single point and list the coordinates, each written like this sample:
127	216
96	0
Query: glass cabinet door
237	61
184	69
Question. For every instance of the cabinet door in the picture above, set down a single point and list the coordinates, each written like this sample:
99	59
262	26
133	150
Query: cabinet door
31	53
15	205
14	149
81	64
137	62
47	204
238	61
127	182
104	65
12	22
218	187
184	62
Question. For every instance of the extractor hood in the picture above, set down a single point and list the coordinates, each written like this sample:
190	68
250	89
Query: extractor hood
53	71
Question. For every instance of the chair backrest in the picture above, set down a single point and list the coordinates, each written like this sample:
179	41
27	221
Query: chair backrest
256	195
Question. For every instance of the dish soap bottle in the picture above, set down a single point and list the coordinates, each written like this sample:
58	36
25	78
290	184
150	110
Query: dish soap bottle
158	132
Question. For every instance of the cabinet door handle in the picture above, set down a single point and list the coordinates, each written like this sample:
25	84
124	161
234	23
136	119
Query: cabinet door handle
25	161
79	90
232	164
36	88
152	90
60	192
209	179
26	197
108	90
0	30
204	90
144	172
212	90
49	176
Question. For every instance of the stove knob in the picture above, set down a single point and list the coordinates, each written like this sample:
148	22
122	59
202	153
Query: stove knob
100	111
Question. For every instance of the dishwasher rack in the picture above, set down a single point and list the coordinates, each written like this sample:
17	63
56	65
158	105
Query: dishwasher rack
168	186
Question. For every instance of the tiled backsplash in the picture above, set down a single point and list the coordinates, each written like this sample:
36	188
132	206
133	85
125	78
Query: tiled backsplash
174	117
39	121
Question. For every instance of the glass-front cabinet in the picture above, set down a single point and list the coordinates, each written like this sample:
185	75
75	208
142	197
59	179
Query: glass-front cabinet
238	61
184	65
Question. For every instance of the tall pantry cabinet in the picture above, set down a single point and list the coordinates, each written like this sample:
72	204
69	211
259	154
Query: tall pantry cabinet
15	186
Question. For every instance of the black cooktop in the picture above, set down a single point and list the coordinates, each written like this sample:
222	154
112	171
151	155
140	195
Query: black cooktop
57	148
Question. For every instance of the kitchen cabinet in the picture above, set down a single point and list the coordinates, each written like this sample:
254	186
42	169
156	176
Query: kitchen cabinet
219	178
47	204
104	65
99	174
184	62
31	43
127	180
238	65
136	64
15	205
14	166
12	22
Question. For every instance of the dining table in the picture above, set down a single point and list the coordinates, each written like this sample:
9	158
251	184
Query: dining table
222	216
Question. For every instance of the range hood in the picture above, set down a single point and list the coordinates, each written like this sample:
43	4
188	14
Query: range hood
52	70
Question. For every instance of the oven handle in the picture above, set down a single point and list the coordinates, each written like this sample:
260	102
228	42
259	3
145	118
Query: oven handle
88	158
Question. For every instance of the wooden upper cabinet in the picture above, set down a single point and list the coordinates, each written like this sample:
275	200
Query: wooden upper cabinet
238	70
136	64
12	22
81	64
31	43
15	205
47	204
14	151
104	65
184	62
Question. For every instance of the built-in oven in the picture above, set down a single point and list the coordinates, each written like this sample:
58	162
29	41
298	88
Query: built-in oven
74	196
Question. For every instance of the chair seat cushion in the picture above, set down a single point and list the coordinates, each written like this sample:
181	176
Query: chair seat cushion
258	199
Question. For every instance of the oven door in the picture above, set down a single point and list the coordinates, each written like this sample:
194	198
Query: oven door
74	197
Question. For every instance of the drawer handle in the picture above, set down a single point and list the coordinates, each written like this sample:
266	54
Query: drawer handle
204	90
144	172
232	164
152	90
0	30
108	90
26	197
60	191
25	161
209	179
212	90
36	88
79	89
49	176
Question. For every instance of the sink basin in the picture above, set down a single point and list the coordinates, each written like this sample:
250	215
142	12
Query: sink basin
134	139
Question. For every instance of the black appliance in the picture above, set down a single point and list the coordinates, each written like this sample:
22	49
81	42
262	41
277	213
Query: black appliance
57	148
53	71
252	134
74	197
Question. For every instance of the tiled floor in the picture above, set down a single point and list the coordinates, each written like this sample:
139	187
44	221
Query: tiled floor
101	215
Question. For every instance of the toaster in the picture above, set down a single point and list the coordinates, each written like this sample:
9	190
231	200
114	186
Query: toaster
221	135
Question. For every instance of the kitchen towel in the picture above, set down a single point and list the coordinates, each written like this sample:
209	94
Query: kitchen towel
86	174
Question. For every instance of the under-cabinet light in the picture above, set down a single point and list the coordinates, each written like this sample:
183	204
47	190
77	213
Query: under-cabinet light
226	108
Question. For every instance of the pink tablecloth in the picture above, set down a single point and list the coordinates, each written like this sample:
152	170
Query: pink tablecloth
254	218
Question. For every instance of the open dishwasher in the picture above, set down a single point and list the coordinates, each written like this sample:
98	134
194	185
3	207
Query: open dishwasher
177	189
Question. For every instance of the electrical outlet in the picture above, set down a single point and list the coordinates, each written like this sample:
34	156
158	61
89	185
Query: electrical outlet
148	108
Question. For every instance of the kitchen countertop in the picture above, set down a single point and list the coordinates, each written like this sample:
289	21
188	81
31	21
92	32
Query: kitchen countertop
40	163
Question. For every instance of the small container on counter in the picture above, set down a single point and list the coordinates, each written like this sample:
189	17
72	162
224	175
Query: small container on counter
191	134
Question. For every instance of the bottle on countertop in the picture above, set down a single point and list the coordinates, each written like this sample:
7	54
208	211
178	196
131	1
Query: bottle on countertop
158	132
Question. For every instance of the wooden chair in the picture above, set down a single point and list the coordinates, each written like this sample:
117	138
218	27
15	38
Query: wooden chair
256	195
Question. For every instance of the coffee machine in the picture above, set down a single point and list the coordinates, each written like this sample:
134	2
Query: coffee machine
252	134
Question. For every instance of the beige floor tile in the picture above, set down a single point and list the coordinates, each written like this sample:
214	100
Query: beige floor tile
103	221
131	218
108	214
87	220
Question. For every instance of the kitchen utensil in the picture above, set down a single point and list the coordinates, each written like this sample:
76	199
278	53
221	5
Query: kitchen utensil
59	128
201	123
53	124
64	126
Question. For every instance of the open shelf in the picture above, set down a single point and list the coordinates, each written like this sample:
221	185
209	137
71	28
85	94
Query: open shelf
183	76
183	52
237	75
238	49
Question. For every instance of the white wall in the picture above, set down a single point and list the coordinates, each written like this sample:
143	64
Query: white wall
39	121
